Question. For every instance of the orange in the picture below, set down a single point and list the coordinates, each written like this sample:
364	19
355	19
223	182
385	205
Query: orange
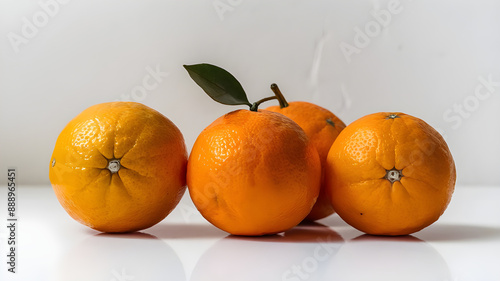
253	173
390	174
119	167
322	127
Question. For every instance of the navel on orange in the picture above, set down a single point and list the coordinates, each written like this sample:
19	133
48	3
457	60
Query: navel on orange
390	174
322	127
119	167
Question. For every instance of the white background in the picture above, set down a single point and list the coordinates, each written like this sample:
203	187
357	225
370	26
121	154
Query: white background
426	61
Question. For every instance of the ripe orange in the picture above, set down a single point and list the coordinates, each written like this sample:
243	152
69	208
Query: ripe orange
390	174
322	127
119	167
253	173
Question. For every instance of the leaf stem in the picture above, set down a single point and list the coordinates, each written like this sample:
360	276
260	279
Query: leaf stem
255	105
279	95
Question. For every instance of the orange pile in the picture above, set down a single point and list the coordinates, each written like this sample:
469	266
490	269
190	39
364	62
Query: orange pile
122	166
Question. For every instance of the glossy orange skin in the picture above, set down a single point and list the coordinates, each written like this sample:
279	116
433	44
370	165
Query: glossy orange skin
322	127
146	188
358	162
253	173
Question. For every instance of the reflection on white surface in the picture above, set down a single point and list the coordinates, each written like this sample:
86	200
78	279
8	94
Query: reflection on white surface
459	233
388	258
117	257
463	245
301	253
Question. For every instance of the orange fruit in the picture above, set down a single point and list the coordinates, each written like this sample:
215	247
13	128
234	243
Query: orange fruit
119	167
390	174
253	173
322	127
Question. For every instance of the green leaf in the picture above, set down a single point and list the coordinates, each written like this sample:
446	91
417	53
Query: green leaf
219	84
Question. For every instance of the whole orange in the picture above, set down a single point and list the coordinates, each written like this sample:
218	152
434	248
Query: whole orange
322	127
253	173
119	167
390	174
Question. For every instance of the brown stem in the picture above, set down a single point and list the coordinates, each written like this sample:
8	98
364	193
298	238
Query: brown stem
279	95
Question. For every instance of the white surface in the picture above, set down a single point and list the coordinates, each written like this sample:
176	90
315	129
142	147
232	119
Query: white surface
463	245
425	61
